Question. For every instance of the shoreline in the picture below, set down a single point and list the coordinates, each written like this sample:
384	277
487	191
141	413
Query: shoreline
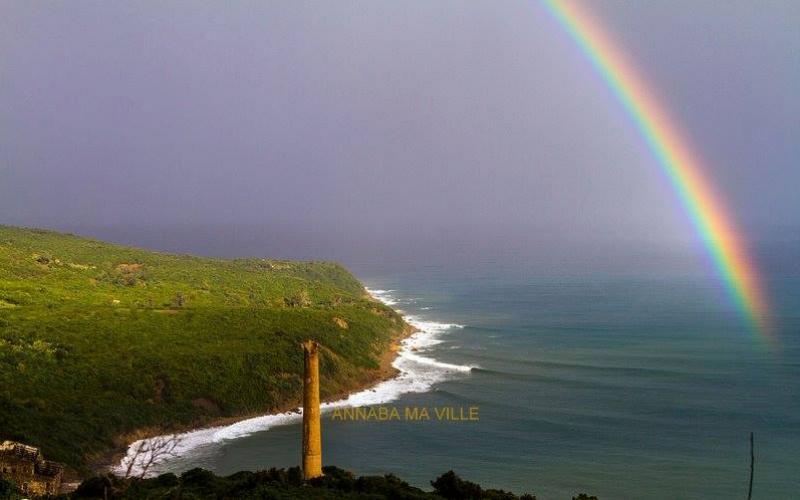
111	461
401	370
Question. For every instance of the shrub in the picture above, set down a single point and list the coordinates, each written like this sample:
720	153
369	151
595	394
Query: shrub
8	491
450	486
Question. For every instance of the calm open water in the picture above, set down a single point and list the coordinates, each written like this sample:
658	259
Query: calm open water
622	387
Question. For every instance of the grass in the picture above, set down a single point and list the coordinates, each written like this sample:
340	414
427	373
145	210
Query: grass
99	341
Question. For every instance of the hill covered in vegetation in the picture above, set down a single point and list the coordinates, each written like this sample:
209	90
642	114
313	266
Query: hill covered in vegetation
100	343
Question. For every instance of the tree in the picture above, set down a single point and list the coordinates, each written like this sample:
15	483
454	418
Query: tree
146	453
450	486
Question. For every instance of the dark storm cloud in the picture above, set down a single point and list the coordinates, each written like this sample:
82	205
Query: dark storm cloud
348	128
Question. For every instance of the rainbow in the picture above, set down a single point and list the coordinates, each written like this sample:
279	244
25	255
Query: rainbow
709	217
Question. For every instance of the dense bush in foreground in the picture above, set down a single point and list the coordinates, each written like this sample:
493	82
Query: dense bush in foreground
98	341
287	484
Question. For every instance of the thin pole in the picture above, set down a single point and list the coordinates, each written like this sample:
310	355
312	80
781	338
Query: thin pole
752	463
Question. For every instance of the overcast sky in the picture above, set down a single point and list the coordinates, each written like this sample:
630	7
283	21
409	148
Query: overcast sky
354	129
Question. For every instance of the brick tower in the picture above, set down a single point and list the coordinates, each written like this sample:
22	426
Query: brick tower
312	436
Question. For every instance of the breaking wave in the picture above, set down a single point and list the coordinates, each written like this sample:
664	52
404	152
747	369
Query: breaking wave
418	372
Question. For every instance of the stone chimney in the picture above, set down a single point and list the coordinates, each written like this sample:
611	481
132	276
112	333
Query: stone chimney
312	436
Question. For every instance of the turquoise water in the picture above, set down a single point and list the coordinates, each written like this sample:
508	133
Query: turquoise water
622	387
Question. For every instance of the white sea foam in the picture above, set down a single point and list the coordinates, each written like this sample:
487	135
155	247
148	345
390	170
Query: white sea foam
417	373
384	296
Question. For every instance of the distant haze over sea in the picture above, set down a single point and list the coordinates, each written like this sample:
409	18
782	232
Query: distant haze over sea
501	247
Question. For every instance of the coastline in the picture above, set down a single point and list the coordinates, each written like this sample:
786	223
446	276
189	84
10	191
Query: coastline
112	461
402	369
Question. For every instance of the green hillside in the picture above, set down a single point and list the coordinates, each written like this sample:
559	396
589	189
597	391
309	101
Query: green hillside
98	340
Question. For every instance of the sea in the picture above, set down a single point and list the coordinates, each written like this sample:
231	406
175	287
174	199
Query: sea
624	386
